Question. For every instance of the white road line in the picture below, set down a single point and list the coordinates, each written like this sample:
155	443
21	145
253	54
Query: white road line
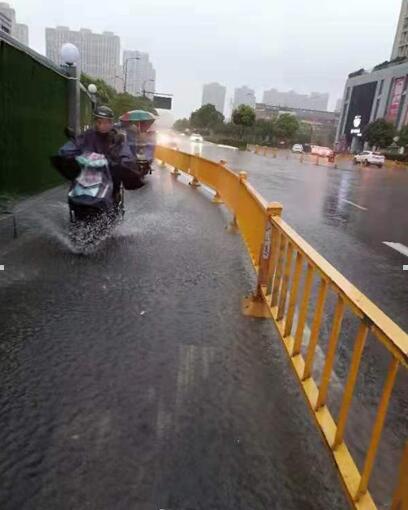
227	147
355	205
398	247
405	267
1	267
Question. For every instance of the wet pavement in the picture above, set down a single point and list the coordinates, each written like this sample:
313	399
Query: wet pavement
129	378
316	202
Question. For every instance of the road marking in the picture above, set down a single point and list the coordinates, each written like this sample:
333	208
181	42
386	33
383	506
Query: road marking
228	147
405	267
355	205
1	267
397	247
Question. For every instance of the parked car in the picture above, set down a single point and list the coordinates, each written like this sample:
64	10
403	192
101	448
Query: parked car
370	158
324	152
195	137
297	148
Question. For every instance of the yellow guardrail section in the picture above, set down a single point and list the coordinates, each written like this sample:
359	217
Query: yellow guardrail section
288	269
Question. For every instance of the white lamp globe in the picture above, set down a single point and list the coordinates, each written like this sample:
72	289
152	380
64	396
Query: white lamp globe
92	89
69	54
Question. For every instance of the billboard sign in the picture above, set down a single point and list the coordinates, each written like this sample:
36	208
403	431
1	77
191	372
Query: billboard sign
162	102
359	112
395	101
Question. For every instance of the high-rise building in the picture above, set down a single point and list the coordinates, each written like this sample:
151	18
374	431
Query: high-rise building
244	95
99	53
140	74
400	47
291	99
318	101
20	32
5	23
339	104
8	24
214	93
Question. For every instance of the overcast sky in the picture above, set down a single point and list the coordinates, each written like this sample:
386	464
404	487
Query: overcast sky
286	44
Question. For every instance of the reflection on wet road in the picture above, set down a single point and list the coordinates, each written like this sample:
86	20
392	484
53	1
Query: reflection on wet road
345	213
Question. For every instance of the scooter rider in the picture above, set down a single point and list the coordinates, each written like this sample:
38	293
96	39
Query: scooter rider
102	139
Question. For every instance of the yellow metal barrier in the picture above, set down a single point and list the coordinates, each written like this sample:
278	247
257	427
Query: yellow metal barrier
283	260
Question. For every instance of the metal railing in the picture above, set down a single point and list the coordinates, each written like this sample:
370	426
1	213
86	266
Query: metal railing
288	270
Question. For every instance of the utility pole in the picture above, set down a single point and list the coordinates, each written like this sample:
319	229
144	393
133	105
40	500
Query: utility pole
125	71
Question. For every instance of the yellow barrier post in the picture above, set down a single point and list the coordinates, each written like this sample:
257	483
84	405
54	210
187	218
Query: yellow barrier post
254	305
195	183
265	151
377	429
275	153
233	226
217	197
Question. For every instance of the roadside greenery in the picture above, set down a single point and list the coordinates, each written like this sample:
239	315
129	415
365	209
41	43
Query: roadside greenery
119	102
379	133
244	128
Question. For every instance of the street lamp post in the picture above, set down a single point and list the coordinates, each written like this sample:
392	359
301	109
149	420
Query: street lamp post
92	89
70	56
125	71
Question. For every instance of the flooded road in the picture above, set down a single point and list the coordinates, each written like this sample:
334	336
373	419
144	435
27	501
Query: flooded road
129	378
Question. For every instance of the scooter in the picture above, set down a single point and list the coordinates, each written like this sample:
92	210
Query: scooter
94	206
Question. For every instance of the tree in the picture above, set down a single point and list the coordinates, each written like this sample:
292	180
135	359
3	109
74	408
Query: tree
120	103
206	117
403	137
125	102
286	126
243	116
263	131
303	134
105	93
181	125
379	133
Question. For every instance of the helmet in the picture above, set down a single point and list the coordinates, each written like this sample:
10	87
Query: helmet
103	112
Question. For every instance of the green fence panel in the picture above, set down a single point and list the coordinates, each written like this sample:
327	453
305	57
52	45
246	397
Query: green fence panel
33	115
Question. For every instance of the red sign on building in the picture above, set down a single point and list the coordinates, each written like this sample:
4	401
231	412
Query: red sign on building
396	94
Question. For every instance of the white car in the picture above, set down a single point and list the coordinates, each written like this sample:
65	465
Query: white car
370	158
195	137
297	148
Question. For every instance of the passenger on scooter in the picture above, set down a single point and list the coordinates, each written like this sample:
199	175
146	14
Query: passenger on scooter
102	139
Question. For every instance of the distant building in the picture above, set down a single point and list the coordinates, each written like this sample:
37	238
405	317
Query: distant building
21	33
400	46
99	53
291	99
140	73
6	23
9	25
214	93
244	95
368	96
323	124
